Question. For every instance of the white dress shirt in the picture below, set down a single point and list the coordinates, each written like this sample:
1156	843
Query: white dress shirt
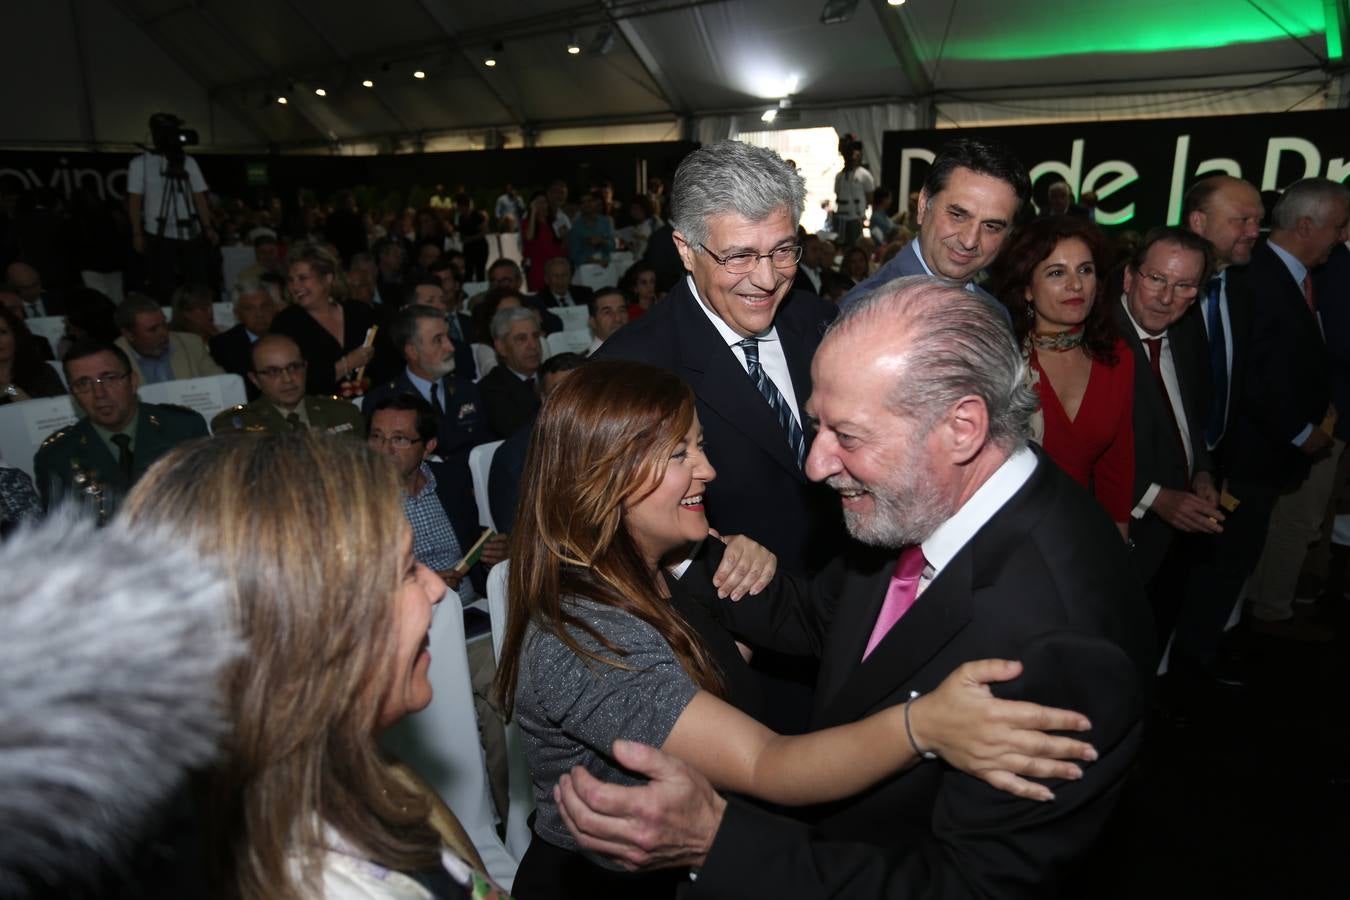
941	547
1169	376
771	357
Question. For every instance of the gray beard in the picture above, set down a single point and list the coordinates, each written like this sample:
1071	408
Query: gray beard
905	511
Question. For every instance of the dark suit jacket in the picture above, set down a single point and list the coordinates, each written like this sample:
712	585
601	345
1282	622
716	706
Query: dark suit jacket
759	490
234	352
906	263
510	403
1240	311
581	295
1286	379
1158	459
1046	581
802	282
504	477
1332	284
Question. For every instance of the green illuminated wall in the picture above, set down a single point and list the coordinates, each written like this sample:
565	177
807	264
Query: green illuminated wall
1066	28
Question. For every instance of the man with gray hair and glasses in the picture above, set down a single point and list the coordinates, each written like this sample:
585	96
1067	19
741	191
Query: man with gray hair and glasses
743	340
976	545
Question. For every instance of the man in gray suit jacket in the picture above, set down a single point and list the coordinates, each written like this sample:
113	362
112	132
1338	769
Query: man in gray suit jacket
966	211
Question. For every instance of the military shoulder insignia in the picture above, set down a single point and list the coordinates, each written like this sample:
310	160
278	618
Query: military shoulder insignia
53	438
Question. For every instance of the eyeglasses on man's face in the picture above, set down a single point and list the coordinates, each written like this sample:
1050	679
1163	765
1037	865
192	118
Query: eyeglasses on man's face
745	263
108	379
293	368
397	441
1182	290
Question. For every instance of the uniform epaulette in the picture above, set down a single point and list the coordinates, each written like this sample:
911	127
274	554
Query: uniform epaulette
54	437
238	407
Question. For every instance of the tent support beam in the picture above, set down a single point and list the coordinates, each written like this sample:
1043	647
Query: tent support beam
442	21
345	59
911	62
669	93
86	103
178	58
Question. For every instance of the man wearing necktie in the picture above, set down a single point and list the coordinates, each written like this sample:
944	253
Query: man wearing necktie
1227	212
976	544
277	370
1174	488
735	330
1282	458
98	459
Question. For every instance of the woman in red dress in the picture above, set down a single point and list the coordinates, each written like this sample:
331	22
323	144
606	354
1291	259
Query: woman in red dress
539	240
1052	278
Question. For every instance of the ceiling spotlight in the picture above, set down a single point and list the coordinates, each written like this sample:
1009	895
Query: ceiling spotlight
281	100
490	61
419	74
367	83
769	115
895	2
572	46
320	92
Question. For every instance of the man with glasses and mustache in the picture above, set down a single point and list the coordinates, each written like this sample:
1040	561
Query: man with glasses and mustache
99	457
277	370
1175	491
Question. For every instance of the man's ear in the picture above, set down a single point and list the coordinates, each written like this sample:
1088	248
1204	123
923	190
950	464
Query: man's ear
966	429
922	206
254	378
430	448
686	252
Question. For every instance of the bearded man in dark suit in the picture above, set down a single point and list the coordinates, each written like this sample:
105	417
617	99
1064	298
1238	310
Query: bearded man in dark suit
922	418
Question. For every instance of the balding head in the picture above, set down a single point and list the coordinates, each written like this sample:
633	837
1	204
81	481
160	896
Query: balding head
278	370
1225	211
920	396
25	280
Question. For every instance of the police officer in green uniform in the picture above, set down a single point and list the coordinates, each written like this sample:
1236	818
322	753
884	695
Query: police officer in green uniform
278	370
97	459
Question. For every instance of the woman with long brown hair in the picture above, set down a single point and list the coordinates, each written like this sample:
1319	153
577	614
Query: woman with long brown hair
335	611
602	643
1052	278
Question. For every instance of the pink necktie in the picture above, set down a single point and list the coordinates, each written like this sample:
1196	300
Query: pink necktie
1308	294
900	595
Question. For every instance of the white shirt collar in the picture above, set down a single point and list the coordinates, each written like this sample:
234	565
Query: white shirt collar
1139	330
943	544
725	330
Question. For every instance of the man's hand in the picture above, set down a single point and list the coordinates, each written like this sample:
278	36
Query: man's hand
1203	485
1185	511
452	578
746	567
1317	445
494	550
668	822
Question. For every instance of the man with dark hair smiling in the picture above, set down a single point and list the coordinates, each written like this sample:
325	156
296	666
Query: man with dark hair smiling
966	211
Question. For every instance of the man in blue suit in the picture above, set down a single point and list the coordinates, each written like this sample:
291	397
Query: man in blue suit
966	211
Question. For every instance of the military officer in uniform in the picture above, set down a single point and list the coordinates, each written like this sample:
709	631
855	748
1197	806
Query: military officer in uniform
421	334
98	458
277	369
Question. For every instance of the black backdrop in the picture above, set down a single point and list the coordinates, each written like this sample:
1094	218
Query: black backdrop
1141	168
253	178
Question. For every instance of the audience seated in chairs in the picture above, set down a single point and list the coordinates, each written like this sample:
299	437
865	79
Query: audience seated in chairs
334	610
157	353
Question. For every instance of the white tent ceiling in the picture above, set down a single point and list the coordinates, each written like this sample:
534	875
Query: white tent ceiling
89	72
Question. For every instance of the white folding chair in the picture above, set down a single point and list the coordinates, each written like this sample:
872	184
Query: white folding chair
441	743
480	464
53	328
484	359
595	276
569	342
519	786
25	425
60	371
573	317
208	395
